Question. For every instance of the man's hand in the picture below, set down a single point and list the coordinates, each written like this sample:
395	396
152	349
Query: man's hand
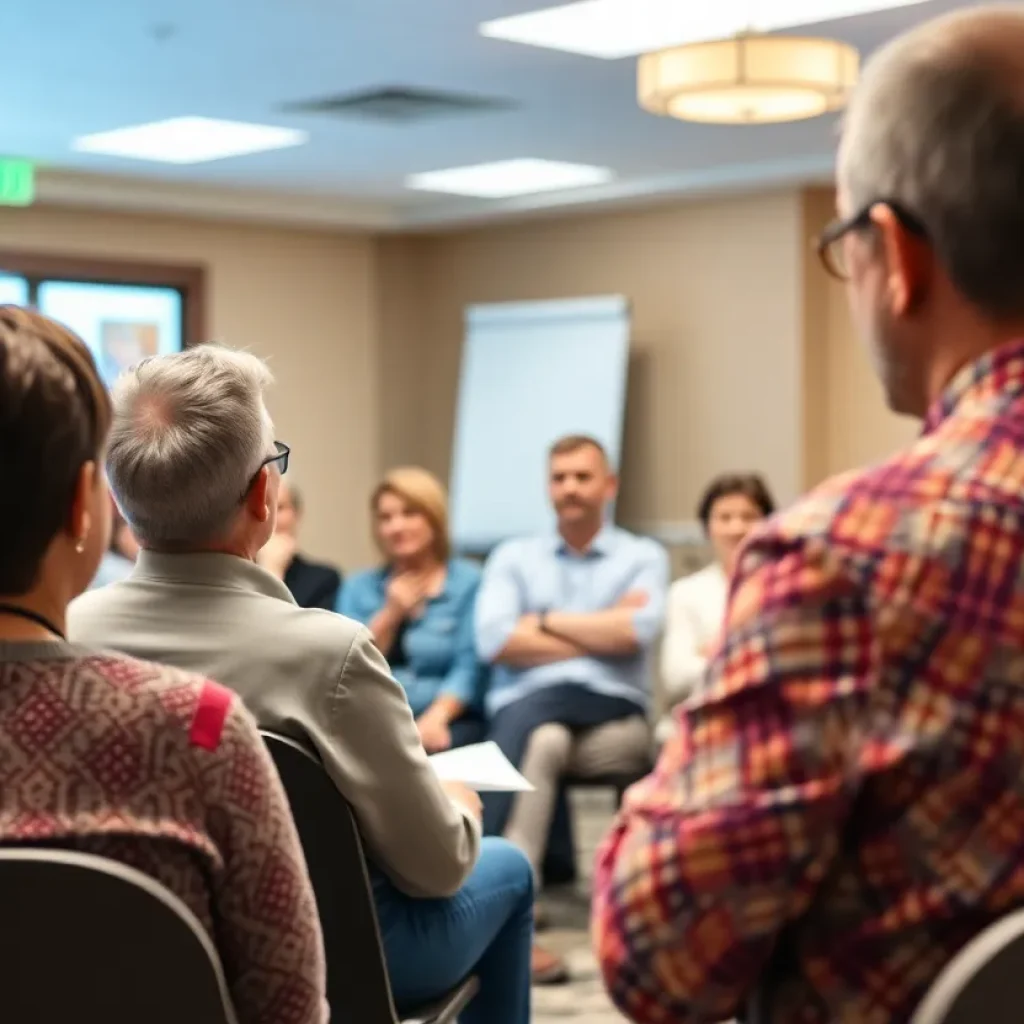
634	599
277	554
465	798
434	731
405	593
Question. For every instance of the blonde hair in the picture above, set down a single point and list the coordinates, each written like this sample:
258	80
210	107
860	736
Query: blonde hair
423	492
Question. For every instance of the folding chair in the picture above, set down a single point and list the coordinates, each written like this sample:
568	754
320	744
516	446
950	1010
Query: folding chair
618	782
84	938
357	979
984	982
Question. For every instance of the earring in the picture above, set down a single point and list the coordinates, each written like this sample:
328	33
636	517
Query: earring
80	546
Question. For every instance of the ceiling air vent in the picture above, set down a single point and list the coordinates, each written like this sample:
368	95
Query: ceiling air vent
397	105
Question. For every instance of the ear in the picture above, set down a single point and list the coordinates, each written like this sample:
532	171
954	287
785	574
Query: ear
257	500
612	485
80	514
907	259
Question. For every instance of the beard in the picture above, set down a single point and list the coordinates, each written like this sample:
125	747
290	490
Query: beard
897	381
893	366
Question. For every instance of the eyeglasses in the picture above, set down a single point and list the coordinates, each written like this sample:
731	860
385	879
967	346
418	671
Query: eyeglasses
830	246
281	454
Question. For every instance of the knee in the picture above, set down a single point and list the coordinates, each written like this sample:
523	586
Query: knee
549	747
507	865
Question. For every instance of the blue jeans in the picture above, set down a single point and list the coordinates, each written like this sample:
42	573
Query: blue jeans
485	929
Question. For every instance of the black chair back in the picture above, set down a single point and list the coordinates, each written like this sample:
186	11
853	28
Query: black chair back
984	982
618	782
357	982
83	938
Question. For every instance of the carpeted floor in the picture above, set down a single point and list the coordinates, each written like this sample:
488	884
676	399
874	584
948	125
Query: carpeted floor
584	999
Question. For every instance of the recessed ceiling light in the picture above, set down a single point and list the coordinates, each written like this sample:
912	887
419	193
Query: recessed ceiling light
509	178
625	28
189	140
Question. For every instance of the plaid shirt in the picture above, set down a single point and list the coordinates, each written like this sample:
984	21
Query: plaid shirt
843	806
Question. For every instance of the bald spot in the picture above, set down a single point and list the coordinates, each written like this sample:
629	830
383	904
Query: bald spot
153	414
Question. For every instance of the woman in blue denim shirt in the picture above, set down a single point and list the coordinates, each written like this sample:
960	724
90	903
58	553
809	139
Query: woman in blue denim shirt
419	607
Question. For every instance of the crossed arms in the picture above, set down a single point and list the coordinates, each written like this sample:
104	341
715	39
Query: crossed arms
560	636
507	635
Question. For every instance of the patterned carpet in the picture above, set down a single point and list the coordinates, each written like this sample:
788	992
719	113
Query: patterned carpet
584	999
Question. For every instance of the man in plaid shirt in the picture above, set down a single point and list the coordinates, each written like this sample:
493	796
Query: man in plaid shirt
842	806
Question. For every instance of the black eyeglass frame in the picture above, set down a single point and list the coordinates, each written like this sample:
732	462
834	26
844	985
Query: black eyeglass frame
860	221
281	454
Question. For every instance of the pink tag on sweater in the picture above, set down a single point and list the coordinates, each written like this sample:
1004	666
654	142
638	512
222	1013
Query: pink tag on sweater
211	714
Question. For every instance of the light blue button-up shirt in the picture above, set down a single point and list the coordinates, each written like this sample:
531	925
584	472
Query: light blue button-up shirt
441	658
542	574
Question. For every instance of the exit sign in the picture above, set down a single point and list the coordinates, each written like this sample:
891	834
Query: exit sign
17	182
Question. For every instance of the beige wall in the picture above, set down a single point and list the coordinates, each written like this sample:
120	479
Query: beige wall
743	356
405	347
305	301
715	374
847	422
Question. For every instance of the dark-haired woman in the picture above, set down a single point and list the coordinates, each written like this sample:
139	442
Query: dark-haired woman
729	509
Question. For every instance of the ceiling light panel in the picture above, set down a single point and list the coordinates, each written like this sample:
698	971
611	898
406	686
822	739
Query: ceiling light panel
509	178
612	29
189	140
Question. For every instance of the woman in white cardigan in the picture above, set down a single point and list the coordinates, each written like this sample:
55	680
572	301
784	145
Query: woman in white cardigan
731	507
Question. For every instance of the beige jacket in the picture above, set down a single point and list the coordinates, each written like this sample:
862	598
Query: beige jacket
307	673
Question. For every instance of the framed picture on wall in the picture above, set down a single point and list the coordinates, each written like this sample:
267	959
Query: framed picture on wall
122	324
123	343
124	311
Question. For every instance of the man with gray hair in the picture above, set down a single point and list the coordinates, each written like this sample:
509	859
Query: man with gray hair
196	472
841	808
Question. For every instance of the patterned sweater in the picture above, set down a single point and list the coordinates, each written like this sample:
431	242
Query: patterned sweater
165	772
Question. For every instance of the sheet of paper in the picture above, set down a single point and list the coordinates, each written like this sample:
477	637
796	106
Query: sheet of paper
481	766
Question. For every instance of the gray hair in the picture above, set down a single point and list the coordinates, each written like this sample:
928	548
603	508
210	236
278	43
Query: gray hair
189	433
937	125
